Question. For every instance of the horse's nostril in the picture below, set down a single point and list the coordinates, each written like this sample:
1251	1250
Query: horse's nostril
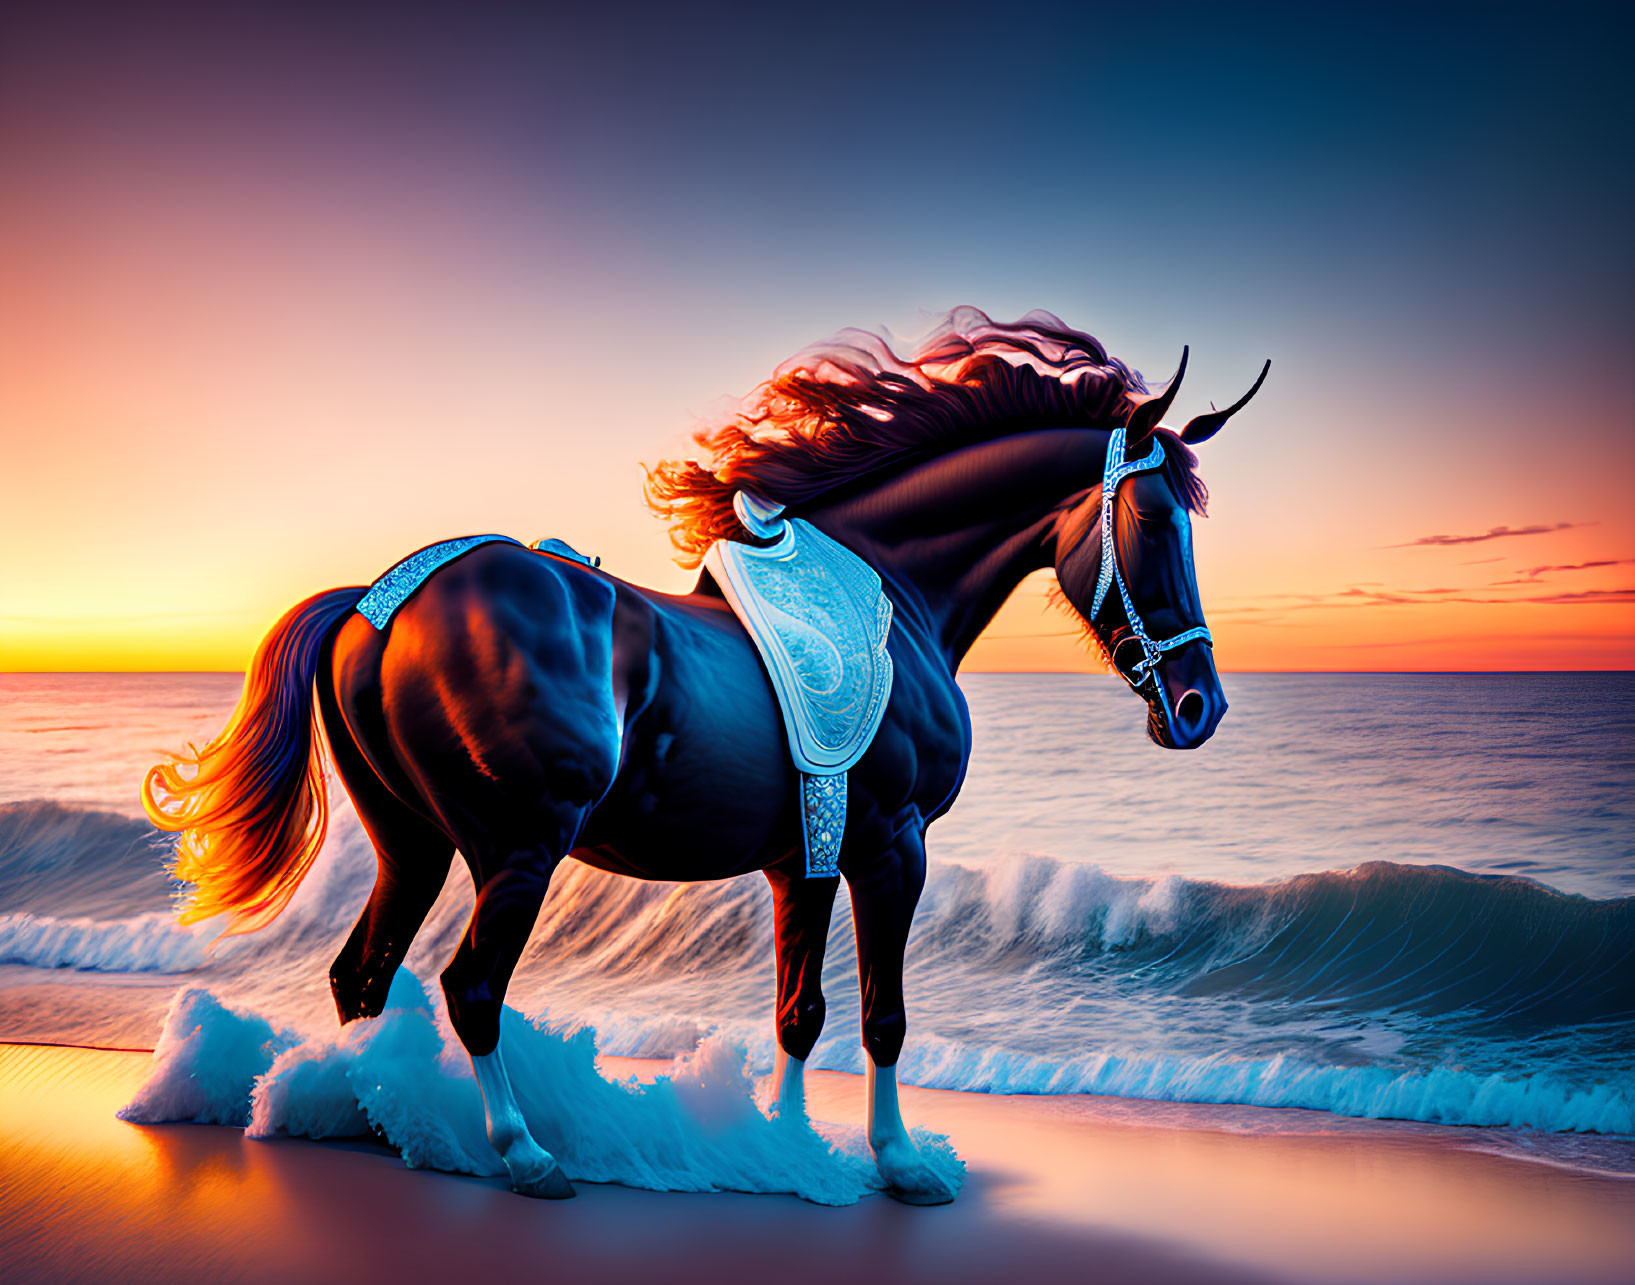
1189	710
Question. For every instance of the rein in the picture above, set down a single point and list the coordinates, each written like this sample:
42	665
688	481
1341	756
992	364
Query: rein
1115	471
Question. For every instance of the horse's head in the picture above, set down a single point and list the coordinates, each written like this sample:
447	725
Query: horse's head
1124	562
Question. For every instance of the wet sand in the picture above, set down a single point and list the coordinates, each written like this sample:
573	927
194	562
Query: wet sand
1069	1188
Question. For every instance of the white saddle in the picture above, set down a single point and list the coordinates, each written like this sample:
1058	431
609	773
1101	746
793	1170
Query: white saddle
820	622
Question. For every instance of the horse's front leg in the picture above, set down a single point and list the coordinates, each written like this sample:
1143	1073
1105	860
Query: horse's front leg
884	894
800	909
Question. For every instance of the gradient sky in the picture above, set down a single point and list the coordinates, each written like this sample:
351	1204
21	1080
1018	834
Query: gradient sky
283	298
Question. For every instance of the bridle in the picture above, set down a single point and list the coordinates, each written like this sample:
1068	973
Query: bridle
1152	649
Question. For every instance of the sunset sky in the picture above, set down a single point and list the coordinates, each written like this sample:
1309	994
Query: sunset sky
285	298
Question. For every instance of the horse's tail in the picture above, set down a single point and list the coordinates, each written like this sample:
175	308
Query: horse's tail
253	812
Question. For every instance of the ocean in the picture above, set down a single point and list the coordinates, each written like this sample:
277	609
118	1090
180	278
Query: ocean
1380	895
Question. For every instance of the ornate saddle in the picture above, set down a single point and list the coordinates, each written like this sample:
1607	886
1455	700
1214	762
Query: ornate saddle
820	622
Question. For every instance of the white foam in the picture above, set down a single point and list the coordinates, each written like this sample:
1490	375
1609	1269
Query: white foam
1047	906
207	1057
150	943
696	1128
1443	1095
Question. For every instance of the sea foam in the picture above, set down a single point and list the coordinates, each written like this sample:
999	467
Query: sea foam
1405	991
695	1128
1439	1095
150	943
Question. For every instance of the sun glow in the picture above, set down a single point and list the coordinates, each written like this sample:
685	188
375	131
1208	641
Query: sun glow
229	380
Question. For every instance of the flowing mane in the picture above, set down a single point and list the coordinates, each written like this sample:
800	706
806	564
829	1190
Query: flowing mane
849	409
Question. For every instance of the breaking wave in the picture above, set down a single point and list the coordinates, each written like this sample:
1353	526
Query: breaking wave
1438	1095
1429	939
150	943
79	861
1416	992
1503	953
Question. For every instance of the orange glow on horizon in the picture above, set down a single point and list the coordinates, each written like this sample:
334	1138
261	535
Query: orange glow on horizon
215	406
1026	638
90	601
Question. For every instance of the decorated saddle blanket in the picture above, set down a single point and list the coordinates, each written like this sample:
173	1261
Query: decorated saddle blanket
820	621
397	586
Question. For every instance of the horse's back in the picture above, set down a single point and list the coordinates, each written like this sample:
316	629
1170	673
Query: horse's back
514	684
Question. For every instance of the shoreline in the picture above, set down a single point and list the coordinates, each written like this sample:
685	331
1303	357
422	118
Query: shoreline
1596	1155
1064	1188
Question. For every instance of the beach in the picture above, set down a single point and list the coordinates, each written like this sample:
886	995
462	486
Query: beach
1211	665
1069	1187
1359	1012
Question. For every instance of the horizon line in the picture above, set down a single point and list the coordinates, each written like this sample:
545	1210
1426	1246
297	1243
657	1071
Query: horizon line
1598	669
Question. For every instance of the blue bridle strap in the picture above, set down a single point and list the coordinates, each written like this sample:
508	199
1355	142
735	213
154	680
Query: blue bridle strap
1114	472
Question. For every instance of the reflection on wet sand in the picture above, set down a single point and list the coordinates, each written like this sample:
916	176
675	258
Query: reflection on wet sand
1061	1188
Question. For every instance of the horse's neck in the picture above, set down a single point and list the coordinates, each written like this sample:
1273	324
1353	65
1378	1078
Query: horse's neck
953	536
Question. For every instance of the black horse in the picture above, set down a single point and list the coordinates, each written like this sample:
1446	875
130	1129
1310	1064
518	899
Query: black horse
523	708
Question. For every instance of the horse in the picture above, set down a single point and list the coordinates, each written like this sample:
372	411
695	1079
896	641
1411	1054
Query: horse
523	708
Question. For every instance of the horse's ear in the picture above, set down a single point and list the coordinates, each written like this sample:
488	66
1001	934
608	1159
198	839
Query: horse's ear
1204	427
1149	409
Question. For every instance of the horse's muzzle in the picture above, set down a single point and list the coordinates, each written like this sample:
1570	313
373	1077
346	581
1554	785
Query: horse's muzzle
1192	704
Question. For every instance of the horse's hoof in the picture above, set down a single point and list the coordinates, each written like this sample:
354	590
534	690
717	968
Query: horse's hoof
553	1184
907	1177
931	1193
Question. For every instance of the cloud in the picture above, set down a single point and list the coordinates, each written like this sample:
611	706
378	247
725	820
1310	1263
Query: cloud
1540	637
1493	533
1532	574
1359	597
1587	596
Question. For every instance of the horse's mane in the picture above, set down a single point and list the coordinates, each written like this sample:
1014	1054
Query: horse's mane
850	409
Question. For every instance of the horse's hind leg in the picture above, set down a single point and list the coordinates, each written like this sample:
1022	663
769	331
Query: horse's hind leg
884	894
800	908
407	881
412	860
511	884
